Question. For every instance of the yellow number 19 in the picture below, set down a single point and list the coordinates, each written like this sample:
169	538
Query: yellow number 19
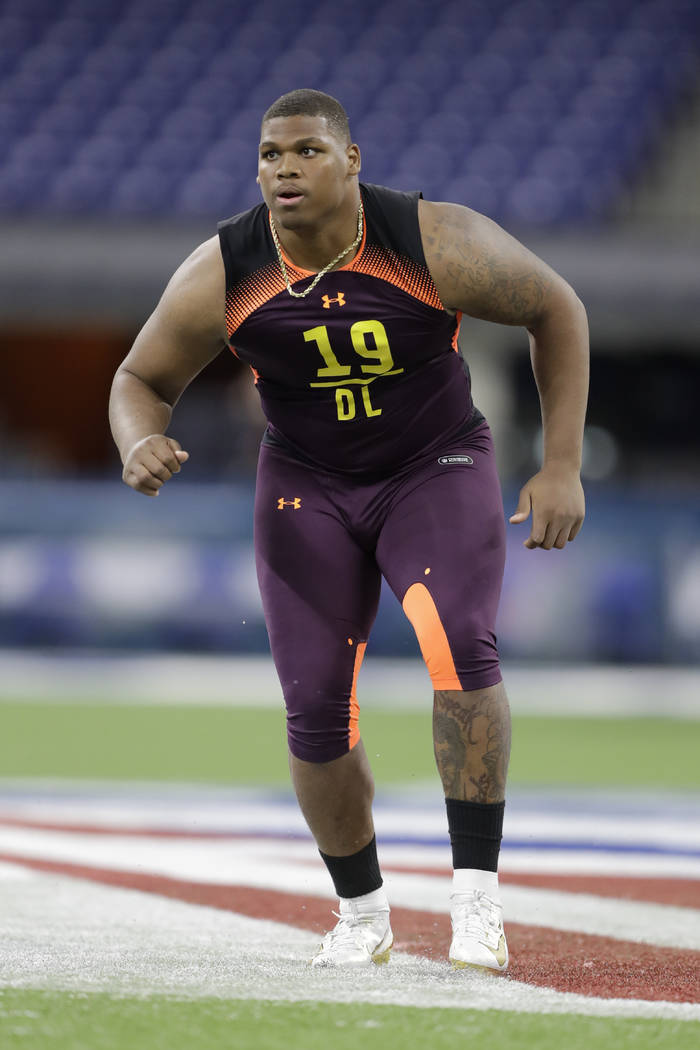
381	353
333	368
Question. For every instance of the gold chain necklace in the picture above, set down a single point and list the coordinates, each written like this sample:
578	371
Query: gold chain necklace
324	271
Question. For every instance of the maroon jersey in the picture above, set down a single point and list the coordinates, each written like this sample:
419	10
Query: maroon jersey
363	375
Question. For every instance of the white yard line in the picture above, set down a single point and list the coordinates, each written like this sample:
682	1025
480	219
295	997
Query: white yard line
245	863
59	933
241	814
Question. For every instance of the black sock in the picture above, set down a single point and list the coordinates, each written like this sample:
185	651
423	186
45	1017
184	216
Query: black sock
475	833
357	874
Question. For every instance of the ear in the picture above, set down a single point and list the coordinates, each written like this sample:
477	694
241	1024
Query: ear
257	179
354	159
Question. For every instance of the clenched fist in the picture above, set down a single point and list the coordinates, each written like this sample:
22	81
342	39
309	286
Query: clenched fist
151	462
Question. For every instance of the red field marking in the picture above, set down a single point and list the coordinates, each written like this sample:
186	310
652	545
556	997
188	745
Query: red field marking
132	832
680	892
568	962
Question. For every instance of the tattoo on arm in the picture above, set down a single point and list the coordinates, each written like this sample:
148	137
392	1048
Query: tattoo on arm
479	268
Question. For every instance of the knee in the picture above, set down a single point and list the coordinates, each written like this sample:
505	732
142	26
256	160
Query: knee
321	723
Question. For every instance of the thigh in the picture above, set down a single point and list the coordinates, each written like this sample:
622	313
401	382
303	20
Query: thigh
442	551
320	591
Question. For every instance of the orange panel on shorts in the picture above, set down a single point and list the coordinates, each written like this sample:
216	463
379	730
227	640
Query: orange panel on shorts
421	610
354	706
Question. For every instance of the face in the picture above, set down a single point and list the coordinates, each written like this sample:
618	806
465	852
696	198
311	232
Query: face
305	172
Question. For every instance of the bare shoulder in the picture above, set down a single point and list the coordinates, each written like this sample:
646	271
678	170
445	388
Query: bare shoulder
187	329
481	269
195	295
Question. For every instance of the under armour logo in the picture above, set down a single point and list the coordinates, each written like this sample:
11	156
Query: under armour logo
295	503
339	299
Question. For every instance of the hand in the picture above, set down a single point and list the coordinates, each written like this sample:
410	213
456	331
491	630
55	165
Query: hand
555	497
151	462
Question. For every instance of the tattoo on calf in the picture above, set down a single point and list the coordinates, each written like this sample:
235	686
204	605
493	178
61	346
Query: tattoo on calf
471	734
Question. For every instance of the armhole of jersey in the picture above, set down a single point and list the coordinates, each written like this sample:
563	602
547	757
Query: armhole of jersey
245	248
393	216
226	253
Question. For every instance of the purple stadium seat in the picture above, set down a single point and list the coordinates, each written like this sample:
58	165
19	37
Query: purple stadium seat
37	10
433	77
576	46
405	100
131	124
455	43
585	83
356	95
470	99
200	37
559	163
196	124
88	92
381	140
17	33
262	37
535	200
40	149
80	189
475	192
493	72
143	191
429	162
15	119
233	156
21	186
104	153
308	63
495	162
239	64
175	155
329	39
521	133
364	65
208	192
536	100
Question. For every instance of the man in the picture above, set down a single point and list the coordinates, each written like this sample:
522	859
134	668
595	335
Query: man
345	300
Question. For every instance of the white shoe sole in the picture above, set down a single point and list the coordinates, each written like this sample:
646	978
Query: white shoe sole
380	956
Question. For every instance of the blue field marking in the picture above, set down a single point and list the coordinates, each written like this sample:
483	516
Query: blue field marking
161	807
542	845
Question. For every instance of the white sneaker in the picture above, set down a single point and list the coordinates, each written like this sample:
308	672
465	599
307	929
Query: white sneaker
477	932
358	939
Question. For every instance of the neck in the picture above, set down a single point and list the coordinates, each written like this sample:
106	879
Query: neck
313	247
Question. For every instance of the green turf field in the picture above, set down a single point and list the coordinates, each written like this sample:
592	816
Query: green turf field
40	1020
247	746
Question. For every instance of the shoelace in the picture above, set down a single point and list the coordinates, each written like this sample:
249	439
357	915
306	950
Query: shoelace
348	931
477	916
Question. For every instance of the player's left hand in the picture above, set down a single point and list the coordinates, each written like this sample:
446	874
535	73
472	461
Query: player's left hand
555	497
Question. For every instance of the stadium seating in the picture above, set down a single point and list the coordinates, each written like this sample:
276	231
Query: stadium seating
534	112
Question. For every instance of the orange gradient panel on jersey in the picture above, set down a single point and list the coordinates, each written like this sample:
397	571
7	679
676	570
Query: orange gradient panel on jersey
421	610
377	261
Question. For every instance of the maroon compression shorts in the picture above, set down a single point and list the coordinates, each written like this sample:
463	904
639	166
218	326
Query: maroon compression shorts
436	532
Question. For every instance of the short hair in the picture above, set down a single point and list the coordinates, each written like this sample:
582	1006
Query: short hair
307	102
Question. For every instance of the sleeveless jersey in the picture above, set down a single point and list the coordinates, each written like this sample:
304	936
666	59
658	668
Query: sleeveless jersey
363	375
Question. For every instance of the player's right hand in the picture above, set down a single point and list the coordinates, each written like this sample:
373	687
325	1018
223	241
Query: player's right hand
151	462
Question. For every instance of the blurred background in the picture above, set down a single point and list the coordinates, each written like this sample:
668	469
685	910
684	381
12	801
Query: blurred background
128	128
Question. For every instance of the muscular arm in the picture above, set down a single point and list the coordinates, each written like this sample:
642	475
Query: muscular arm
183	334
481	270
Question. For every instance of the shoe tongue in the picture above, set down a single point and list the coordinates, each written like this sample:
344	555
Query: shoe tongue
353	910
